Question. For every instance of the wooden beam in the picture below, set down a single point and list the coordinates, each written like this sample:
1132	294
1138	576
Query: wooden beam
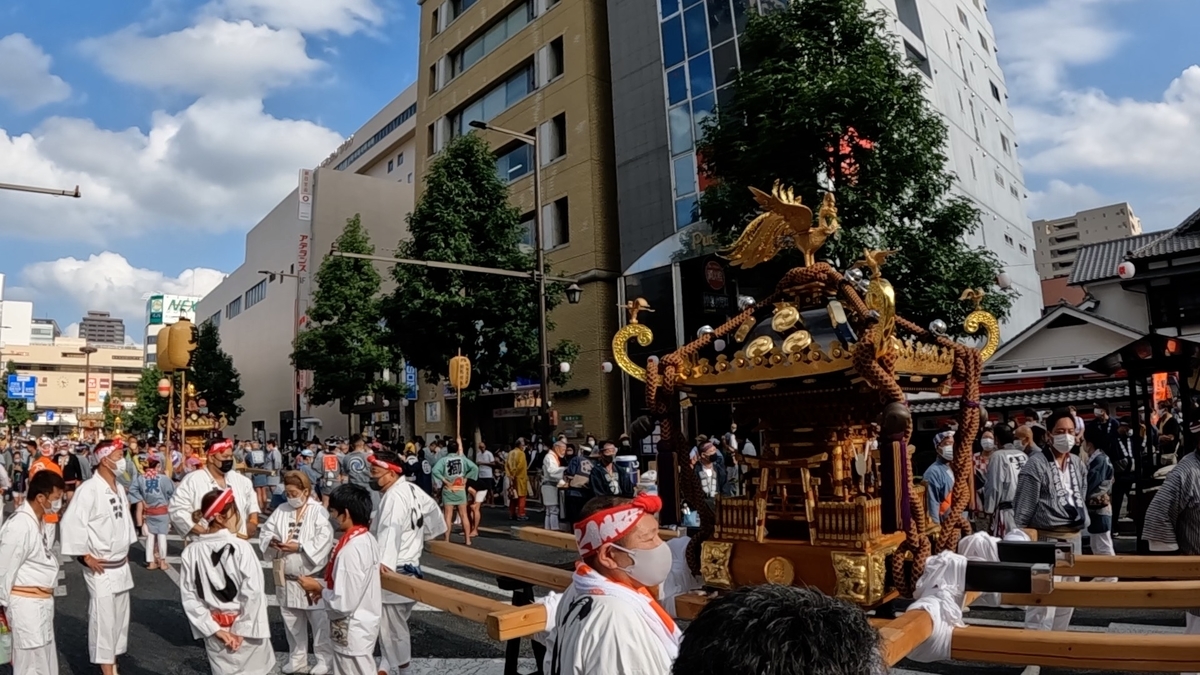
688	605
1077	650
1139	594
503	566
565	540
516	622
1135	566
452	600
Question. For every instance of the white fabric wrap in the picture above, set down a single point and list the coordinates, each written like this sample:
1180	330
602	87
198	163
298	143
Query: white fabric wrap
981	547
940	593
551	603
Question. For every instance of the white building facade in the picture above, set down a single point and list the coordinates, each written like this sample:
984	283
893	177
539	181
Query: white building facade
16	320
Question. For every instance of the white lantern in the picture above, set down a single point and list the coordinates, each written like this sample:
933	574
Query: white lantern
564	367
607	366
1004	281
1126	270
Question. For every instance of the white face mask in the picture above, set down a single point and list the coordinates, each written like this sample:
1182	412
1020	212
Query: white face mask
1098	412
119	466
55	506
651	566
1063	443
947	452
987	444
295	502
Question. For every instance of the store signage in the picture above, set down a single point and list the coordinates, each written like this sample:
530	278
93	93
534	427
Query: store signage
714	274
305	197
302	255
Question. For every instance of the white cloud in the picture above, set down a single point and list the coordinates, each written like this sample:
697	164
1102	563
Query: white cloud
1039	43
1061	199
72	330
25	78
343	17
212	57
108	282
214	166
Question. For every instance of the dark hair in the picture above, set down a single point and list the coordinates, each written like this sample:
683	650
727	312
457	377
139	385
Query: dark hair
1039	436
355	439
779	630
353	500
1030	414
207	501
44	483
1003	433
1095	436
31	445
1057	415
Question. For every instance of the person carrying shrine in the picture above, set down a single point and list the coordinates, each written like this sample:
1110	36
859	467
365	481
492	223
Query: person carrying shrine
1172	521
28	575
939	478
608	622
97	530
296	541
217	474
222	589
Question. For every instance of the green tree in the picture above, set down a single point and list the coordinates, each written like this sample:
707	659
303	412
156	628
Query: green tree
464	217
825	98
214	375
148	405
344	346
16	413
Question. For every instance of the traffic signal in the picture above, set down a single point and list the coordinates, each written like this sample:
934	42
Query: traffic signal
182	344
163	350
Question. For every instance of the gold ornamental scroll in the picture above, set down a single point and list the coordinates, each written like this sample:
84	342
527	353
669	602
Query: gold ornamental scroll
630	331
979	318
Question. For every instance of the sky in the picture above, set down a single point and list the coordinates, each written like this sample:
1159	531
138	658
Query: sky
185	121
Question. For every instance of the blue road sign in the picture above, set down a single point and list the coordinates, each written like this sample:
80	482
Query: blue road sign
49	417
410	381
22	387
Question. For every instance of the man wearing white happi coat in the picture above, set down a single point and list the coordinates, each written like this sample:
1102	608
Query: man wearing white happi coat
28	575
296	541
407	517
98	530
607	621
222	590
216	474
351	589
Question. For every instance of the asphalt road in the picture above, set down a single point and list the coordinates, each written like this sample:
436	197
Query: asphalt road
161	643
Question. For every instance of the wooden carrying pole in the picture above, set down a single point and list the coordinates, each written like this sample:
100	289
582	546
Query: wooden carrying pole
502	566
1130	594
563	540
1135	567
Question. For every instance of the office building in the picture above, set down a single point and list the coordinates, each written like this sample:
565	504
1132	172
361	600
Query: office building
164	310
536	67
16	320
102	328
372	175
1059	239
44	332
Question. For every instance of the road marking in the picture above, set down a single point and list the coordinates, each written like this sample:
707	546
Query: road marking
441	666
464	581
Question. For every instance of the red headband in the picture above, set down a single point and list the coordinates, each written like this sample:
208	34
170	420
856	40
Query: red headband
221	446
609	525
115	446
399	471
219	504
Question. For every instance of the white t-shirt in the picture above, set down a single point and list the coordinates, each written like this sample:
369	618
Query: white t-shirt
484	461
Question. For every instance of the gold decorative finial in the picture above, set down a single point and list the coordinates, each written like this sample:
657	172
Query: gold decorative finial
980	318
881	297
974	295
873	260
635	306
784	223
629	331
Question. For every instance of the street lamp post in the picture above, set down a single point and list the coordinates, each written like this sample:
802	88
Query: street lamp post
87	351
295	333
42	191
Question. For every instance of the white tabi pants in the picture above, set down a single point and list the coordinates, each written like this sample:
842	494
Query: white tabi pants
1192	628
354	665
395	641
34	649
297	623
108	627
1102	544
156	543
1053	618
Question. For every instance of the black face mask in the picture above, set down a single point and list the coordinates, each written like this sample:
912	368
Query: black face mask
374	483
225	466
606	459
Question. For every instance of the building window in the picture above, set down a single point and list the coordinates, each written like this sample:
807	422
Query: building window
457	7
554	60
556	224
433	24
255	295
1005	144
999	178
431	145
400	159
962	16
556	142
215	319
984	42
1024	250
973	176
433	411
922	63
995	90
391	165
410	177
515	163
234	308
495	36
1012	189
500	98
906	10
976	4
151	340
379	136
526	226
1008	239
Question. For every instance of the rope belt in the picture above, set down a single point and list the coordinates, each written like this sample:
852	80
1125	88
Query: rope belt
225	619
156	510
114	564
35	592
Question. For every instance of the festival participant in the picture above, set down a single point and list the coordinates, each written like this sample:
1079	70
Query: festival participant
97	530
221	585
607	622
150	492
1050	499
217	474
407	517
553	469
779	630
1098	497
1172	521
1000	481
939	478
452	474
516	471
351	589
28	575
296	540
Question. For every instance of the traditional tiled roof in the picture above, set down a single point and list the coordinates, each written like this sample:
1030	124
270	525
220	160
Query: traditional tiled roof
1183	239
1096	262
1046	397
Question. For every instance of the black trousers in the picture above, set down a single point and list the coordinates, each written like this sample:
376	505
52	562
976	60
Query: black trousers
1121	488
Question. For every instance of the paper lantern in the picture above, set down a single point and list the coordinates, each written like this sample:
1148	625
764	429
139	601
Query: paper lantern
1126	270
460	372
163	353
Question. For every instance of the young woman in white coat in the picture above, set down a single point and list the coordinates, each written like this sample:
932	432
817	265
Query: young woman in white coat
221	584
296	541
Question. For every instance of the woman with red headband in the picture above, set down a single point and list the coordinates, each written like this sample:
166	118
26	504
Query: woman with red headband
608	622
222	588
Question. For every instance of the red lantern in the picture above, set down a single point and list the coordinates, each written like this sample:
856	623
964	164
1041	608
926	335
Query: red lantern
164	387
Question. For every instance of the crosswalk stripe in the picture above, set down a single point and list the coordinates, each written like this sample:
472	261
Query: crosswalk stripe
441	666
463	581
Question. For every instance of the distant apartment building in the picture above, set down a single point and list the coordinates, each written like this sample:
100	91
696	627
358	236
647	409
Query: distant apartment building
44	332
102	328
1058	240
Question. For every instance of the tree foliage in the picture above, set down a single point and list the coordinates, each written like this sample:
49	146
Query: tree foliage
344	346
148	405
16	413
214	375
816	75
464	217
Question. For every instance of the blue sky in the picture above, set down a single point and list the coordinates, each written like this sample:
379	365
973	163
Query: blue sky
185	121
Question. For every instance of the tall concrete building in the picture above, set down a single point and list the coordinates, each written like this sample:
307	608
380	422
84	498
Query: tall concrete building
372	175
536	67
1059	239
44	332
102	328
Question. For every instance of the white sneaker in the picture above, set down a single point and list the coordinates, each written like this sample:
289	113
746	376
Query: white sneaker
1032	670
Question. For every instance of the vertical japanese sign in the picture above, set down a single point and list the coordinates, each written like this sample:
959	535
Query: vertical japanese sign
302	255
305	197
